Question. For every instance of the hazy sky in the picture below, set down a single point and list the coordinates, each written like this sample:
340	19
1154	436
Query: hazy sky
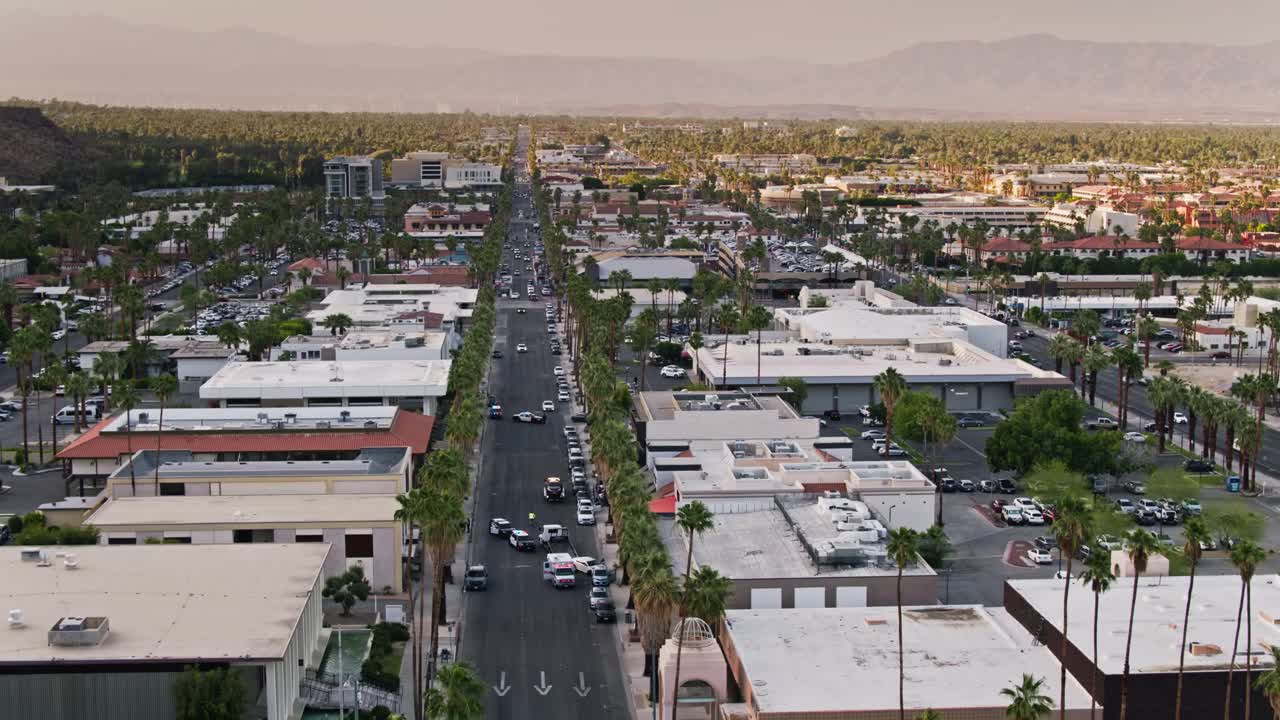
823	30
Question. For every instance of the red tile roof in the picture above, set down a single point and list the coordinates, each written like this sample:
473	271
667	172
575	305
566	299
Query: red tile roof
1207	244
1006	245
453	275
310	263
408	429
663	506
1101	242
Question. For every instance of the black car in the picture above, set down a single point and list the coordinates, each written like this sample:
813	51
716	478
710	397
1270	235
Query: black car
496	354
1044	542
831	415
556	350
578	417
605	612
949	485
1006	486
968	422
1199	466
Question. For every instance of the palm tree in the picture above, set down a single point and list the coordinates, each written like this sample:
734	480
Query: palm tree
1196	532
1096	358
126	397
458	695
163	386
1026	701
902	548
706	595
891	386
1145	330
728	317
1140	545
1061	347
1269	682
78	388
229	334
410	512
1245	556
694	519
758	319
654	590
1098	576
22	347
337	323
1071	530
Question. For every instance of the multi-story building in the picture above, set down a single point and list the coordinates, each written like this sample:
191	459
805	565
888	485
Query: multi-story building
438	170
413	385
437	221
354	177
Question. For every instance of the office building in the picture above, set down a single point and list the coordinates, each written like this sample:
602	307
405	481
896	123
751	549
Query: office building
412	385
354	177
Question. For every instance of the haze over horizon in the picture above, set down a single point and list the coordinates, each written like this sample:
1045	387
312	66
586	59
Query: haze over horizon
819	31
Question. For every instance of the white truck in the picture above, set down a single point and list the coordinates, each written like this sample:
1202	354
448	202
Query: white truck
557	569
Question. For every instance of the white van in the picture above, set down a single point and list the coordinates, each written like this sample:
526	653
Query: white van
67	415
553	533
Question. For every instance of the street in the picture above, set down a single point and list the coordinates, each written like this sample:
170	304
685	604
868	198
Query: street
537	648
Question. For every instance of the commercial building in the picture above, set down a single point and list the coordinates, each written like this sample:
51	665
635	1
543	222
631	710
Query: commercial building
1156	637
244	434
1095	219
191	358
413	385
354	177
968	208
680	417
438	221
422	169
368	343
105	632
378	305
361	529
385	470
644	268
842	663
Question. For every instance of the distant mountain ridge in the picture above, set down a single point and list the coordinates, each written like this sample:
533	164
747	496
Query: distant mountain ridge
96	59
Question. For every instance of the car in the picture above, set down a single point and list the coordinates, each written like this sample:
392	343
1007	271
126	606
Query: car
967	486
894	450
1179	418
586	515
1149	427
598	596
562	396
1040	557
1044	542
520	540
1108	542
872	435
555	350
1033	516
1220	355
60	390
1007	486
1026	502
601	576
1136	487
578	417
1198	466
605	612
1135	437
584	563
570	431
1015	346
520	311
671	371
1012	514
522	348
1102	423
548	406
559	371
500	527
58	334
987	486
477	578
1191	506
1208	544
1126	506
496	354
529	417
495	412
948	485
1143	516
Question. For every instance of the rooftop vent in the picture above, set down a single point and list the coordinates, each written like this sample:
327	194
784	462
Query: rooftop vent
262	419
344	416
291	418
16	619
79	631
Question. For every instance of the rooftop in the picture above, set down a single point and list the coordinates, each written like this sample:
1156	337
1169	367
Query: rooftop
164	602
345	378
179	465
846	659
266	510
666	404
1158	619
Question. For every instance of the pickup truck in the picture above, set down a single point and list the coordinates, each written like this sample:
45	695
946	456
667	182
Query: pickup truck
1102	423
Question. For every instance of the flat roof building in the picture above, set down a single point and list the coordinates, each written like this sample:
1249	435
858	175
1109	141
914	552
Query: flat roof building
842	663
413	385
403	342
361	529
1157	634
682	416
106	631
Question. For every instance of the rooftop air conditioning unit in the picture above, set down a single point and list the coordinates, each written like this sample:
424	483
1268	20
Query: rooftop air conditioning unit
324	424
944	362
291	418
16	619
71	561
79	631
262	418
344	416
143	418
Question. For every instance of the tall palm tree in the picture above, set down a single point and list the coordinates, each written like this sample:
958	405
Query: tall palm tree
410	511
1060	348
458	694
78	388
706	596
1026	701
891	386
1140	545
1196	532
126	398
1098	576
1095	359
1071	528
902	548
163	385
1245	556
728	317
654	590
694	519
758	319
1269	682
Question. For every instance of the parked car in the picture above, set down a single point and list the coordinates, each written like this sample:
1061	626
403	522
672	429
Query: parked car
500	527
477	578
1040	557
1013	515
988	486
1136	487
1198	466
967	486
605	612
1044	542
1108	542
1006	486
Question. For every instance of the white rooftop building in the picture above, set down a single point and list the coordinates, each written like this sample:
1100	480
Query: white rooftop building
413	385
397	342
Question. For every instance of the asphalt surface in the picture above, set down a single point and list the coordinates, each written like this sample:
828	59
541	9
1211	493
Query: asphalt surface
538	649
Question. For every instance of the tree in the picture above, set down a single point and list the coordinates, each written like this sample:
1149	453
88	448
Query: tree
643	332
337	323
1196	533
1071	529
126	398
1096	358
799	391
1246	555
229	334
1097	576
216	694
1026	701
655	595
902	549
728	317
890	386
935	546
1046	428
163	385
922	417
694	519
1140	545
458	694
1269	682
706	595
347	588
758	318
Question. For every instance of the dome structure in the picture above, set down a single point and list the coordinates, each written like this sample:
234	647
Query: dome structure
697	633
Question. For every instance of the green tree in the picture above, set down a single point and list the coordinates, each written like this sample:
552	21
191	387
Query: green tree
693	519
1246	555
1026	700
654	590
216	694
757	318
337	323
1046	428
125	396
1140	545
1097	575
1269	682
457	695
799	390
1196	534
890	387
229	334
347	588
164	386
902	549
935	546
1071	529
706	595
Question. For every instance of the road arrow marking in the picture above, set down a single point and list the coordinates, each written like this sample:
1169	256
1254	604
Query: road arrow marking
582	688
502	688
543	688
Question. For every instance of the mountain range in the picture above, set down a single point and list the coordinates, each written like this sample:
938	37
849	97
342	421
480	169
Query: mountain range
98	59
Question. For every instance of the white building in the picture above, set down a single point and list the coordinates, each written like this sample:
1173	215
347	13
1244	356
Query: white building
138	224
112	628
354	177
1097	219
413	385
428	169
469	175
970	208
386	343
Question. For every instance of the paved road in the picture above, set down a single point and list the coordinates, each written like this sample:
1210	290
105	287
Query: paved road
522	630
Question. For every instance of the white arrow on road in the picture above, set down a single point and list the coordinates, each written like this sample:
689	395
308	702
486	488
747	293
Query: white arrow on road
582	688
502	688
543	688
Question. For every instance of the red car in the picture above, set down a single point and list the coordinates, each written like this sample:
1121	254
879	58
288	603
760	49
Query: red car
997	506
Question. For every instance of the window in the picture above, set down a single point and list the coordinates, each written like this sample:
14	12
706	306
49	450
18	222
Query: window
359	546
178	540
172	489
122	541
242	536
309	536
